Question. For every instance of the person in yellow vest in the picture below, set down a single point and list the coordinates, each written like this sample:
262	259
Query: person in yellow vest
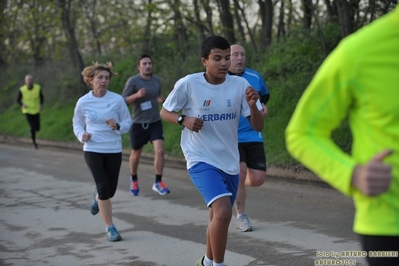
31	99
360	81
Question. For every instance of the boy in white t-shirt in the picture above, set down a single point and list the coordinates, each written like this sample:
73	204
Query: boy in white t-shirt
211	104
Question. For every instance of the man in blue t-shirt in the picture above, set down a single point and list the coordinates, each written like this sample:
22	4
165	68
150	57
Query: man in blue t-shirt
250	142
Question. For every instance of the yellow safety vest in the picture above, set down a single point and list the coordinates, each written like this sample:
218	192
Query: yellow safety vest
31	98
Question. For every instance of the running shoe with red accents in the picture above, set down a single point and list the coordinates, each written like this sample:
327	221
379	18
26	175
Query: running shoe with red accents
161	188
134	187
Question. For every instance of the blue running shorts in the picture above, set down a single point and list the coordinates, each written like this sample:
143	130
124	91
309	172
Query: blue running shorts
213	183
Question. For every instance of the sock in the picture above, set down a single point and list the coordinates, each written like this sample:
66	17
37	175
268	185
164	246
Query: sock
134	177
207	261
158	178
238	215
218	264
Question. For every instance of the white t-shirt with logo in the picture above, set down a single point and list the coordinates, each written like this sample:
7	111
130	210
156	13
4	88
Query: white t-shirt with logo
220	106
90	115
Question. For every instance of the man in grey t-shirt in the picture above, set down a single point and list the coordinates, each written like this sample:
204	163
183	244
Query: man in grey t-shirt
143	92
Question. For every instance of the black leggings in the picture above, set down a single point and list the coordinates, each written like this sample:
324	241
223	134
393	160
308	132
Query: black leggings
389	245
105	169
34	124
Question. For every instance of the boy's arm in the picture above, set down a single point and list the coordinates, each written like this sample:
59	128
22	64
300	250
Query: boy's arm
168	116
192	123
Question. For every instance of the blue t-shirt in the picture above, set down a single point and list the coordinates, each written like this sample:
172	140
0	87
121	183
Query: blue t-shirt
245	132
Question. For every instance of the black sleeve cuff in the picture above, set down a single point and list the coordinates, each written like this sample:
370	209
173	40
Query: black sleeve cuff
265	98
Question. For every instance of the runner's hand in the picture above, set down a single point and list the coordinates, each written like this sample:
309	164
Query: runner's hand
86	137
251	96
374	177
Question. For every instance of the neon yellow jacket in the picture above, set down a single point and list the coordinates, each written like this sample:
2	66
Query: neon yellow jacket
358	80
31	98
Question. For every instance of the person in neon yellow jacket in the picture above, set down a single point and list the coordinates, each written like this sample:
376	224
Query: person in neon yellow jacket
30	98
359	80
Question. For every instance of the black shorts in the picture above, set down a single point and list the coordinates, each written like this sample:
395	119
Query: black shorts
253	154
142	133
382	250
34	121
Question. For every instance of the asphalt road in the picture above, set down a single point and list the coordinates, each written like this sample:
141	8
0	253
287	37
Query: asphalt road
45	218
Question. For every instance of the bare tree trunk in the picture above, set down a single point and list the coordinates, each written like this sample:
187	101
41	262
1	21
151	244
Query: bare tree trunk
3	50
240	28
147	30
91	15
65	6
198	20
208	11
180	28
35	35
320	32
354	13
227	20
307	14
331	11
281	26
37	42
251	35
290	15
371	10
344	16
266	13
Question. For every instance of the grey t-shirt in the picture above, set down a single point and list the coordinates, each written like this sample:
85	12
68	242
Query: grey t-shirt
144	110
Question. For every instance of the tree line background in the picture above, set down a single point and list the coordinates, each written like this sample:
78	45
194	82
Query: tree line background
286	41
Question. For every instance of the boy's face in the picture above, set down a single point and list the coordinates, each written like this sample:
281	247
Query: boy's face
217	65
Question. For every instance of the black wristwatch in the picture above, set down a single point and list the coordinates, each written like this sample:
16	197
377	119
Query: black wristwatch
180	119
118	126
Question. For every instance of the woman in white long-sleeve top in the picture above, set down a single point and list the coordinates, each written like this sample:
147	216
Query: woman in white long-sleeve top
100	118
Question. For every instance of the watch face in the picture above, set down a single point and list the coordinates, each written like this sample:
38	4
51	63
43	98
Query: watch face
180	119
